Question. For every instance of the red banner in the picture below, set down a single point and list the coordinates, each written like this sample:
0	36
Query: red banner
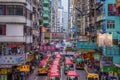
47	48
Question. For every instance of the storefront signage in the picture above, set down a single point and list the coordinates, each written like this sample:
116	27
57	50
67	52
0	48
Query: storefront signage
3	71
104	40
14	59
97	57
46	35
83	38
86	45
47	48
118	71
58	35
25	68
30	57
108	69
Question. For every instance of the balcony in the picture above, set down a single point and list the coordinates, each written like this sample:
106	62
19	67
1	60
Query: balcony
12	38
14	1
12	19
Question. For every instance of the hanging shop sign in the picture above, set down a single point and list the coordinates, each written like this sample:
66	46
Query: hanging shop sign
108	69
30	57
118	70
83	38
24	68
46	35
104	40
96	57
47	48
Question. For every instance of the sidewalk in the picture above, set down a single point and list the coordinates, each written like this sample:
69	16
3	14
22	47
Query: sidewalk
33	75
89	70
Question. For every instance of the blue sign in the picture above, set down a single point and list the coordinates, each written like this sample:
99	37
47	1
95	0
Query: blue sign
74	29
86	45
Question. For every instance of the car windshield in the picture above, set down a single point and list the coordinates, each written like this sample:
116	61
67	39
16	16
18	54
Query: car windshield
70	67
72	78
92	78
54	78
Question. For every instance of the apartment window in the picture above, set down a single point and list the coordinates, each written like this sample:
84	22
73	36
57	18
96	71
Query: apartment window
1	10
45	18
2	29
45	5
14	10
111	24
19	10
111	9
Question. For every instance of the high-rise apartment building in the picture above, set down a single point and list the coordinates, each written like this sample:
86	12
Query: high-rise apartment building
60	17
19	34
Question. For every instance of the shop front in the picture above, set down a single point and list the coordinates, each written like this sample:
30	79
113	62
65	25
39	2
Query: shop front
5	72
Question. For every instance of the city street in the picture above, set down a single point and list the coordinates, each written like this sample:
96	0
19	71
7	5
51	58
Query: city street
35	76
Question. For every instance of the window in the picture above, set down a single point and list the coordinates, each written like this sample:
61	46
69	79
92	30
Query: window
10	10
19	10
111	9
111	24
14	10
1	10
2	29
45	5
45	18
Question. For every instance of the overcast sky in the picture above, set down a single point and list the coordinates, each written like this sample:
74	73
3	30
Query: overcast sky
65	5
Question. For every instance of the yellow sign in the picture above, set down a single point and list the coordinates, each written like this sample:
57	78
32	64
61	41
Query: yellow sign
3	71
47	35
25	68
30	57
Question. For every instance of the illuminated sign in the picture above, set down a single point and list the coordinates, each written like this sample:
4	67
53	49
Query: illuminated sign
25	68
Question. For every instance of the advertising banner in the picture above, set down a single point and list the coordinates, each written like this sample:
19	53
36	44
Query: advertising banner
12	59
86	45
104	40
